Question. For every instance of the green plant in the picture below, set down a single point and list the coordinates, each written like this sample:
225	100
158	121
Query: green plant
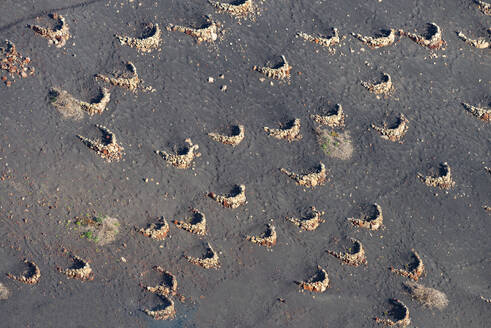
100	218
89	235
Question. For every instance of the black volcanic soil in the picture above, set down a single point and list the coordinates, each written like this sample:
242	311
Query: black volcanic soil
49	177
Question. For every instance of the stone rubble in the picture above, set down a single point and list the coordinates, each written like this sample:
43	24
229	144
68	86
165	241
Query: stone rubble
309	223
416	272
318	283
484	7
231	201
267	239
237	9
181	161
57	35
108	149
14	63
479	112
396	133
334	119
479	43
233	140
30	276
385	87
129	81
402	322
328	42
168	312
372	223
209	261
282	72
169	285
150	41
291	133
444	181
80	270
197	224
157	230
433	41
355	257
207	33
379	42
309	180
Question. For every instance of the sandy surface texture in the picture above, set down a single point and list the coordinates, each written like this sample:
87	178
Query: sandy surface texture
180	70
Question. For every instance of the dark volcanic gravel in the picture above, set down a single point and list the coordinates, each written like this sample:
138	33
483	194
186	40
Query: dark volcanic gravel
49	177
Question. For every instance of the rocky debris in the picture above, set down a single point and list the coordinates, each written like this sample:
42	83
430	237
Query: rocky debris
334	144
374	222
182	159
80	270
429	297
279	72
4	292
108	149
168	287
58	35
209	261
13	63
71	107
309	180
432	41
395	133
236	199
402	313
164	290
128	80
417	270
157	230
355	257
377	42
309	223
290	133
234	139
487	300
31	276
328	42
267	239
207	33
334	119
150	40
167	312
444	181
484	7
197	224
384	87
479	43
318	283
479	112
238	9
